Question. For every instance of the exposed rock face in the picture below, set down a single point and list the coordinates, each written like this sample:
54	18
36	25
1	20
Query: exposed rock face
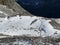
5	11
13	5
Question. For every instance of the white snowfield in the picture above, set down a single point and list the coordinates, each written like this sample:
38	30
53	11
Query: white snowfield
27	26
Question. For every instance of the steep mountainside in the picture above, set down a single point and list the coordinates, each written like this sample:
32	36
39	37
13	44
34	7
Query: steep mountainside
13	5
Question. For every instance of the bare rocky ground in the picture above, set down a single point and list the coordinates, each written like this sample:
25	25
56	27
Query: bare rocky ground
10	8
14	6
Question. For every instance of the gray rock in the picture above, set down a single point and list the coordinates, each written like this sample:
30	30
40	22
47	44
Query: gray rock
5	11
15	7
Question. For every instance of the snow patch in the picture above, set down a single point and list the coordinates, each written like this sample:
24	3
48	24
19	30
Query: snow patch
27	25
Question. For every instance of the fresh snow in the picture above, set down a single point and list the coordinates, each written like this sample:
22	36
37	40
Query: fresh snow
25	26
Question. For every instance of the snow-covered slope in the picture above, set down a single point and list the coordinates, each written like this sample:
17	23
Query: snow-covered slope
27	26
